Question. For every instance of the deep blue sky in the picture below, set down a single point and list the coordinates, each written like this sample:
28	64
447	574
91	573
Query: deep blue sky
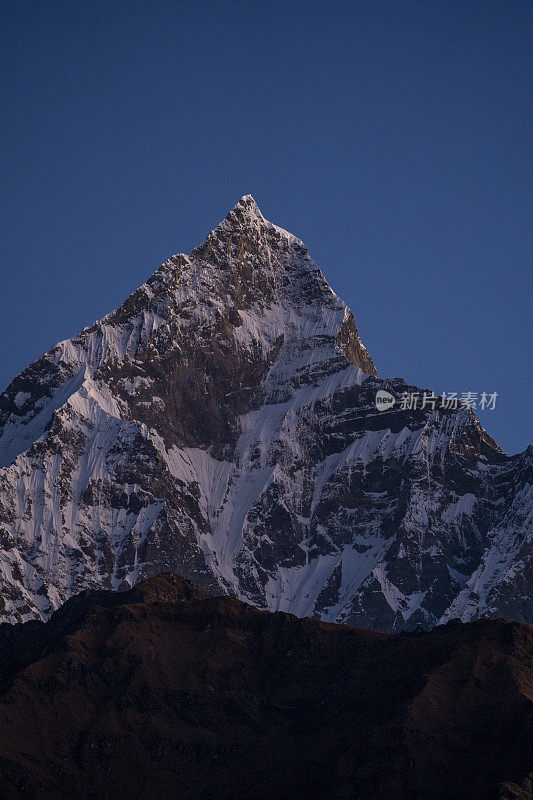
391	136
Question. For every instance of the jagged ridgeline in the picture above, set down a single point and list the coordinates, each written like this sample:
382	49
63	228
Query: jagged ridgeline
222	424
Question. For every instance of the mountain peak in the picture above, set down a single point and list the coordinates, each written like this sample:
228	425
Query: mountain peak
248	204
246	219
246	214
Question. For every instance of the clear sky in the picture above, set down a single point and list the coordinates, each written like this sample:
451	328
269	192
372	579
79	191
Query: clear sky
392	136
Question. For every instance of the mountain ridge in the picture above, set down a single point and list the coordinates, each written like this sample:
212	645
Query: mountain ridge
163	689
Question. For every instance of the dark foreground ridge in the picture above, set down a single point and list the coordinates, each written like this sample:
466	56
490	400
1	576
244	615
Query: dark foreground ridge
165	692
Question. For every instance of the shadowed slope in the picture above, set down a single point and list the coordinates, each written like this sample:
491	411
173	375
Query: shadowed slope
165	691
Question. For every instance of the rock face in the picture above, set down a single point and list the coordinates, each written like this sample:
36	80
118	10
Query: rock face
161	691
222	424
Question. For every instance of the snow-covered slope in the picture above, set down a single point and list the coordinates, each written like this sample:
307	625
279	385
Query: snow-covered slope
222	424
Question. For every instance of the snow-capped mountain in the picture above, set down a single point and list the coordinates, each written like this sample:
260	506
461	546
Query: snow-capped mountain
222	424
